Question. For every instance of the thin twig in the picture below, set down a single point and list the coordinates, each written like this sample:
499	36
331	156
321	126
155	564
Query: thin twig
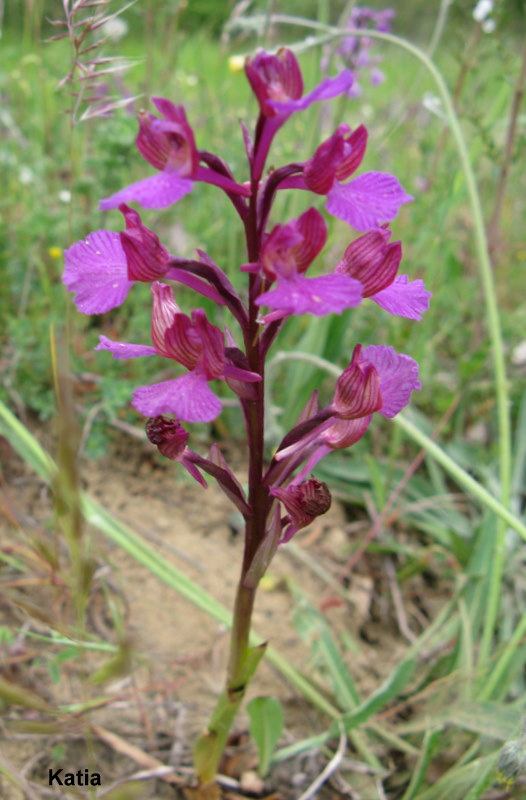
493	226
329	770
403	624
18	779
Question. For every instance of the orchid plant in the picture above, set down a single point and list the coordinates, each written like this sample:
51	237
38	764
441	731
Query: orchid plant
282	496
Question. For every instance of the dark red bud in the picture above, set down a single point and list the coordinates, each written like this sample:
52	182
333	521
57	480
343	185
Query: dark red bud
305	501
169	436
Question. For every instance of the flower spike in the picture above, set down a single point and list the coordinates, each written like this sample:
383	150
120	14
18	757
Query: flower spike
281	497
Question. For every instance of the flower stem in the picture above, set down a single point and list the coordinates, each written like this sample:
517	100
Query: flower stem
243	659
243	663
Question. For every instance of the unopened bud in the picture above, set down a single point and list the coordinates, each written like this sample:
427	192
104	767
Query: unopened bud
305	501
169	436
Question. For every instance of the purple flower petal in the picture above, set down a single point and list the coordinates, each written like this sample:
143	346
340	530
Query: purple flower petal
96	271
398	377
157	191
189	398
327	294
122	350
194	472
329	87
404	298
367	201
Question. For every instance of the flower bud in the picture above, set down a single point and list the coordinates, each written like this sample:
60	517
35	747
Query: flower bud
169	436
274	77
305	501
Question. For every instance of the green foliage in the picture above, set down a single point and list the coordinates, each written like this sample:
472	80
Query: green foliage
265	725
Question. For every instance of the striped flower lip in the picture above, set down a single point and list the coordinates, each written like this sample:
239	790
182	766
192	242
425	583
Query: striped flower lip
335	159
374	261
191	341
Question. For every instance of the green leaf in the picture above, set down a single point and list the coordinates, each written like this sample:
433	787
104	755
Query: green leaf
16	695
383	695
457	782
266	723
314	629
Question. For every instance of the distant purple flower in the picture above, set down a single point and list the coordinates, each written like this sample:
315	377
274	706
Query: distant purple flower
285	255
196	344
355	53
168	145
374	262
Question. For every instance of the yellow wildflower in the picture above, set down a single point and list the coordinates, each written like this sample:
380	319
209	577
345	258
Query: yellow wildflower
236	63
